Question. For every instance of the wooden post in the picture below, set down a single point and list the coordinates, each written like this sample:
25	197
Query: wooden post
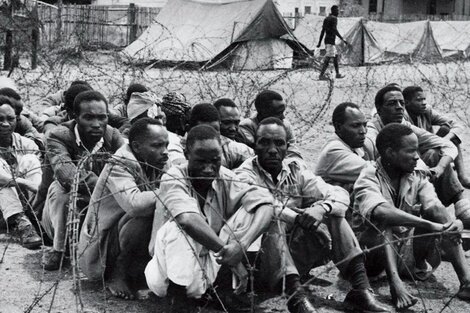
132	21
35	37
60	6
7	61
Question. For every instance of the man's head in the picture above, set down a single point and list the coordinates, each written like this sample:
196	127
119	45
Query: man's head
134	88
415	100
7	118
335	10
145	104
204	154
269	103
204	113
71	94
229	117
177	112
90	109
15	99
398	147
271	144
390	104
350	124
148	140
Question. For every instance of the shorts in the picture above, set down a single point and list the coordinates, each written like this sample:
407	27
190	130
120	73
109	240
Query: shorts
330	51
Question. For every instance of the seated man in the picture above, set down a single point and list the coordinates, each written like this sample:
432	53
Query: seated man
343	157
116	233
229	118
297	189
121	109
398	201
203	209
233	153
66	112
147	104
24	126
267	104
20	175
177	111
76	153
438	153
425	117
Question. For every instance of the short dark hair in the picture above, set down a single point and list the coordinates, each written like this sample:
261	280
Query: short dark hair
80	82
334	7
339	112
71	94
203	112
225	102
379	97
89	95
391	137
139	130
270	121
135	87
201	132
10	92
6	100
410	91
265	98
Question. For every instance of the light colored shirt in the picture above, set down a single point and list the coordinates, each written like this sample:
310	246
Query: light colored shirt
234	153
373	188
296	187
225	196
433	118
339	164
426	139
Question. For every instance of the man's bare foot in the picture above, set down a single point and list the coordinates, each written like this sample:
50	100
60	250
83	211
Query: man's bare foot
401	298
119	288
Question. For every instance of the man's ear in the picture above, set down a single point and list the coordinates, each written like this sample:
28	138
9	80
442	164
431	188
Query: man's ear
389	153
135	146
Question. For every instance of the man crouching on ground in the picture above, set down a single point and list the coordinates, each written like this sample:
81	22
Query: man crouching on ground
398	201
116	232
203	209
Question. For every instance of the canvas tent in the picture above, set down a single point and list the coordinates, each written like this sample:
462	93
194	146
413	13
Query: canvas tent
376	42
242	34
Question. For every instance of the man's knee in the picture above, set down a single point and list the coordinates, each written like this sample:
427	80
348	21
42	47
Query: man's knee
134	232
431	157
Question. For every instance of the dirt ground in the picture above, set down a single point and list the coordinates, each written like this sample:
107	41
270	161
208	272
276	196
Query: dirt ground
26	287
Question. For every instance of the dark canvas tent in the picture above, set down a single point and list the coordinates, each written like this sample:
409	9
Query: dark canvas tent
242	34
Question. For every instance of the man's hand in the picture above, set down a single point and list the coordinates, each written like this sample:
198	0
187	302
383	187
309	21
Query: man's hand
230	254
454	227
435	173
311	219
241	274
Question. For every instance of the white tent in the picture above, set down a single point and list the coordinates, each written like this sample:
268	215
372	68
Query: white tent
244	34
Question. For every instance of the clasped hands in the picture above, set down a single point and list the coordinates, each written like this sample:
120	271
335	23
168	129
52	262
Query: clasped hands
232	254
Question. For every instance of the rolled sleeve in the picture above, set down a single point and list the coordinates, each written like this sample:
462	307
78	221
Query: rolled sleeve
440	119
367	193
175	194
316	189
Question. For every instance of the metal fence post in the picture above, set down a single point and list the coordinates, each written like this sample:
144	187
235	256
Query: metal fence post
132	21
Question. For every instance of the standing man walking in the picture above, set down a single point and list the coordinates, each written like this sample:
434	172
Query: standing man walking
330	32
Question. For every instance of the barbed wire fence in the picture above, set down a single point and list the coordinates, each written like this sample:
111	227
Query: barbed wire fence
309	105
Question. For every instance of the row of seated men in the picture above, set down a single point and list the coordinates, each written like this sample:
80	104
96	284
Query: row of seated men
180	206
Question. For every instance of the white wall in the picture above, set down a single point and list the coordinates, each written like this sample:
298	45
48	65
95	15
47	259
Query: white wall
143	3
287	7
